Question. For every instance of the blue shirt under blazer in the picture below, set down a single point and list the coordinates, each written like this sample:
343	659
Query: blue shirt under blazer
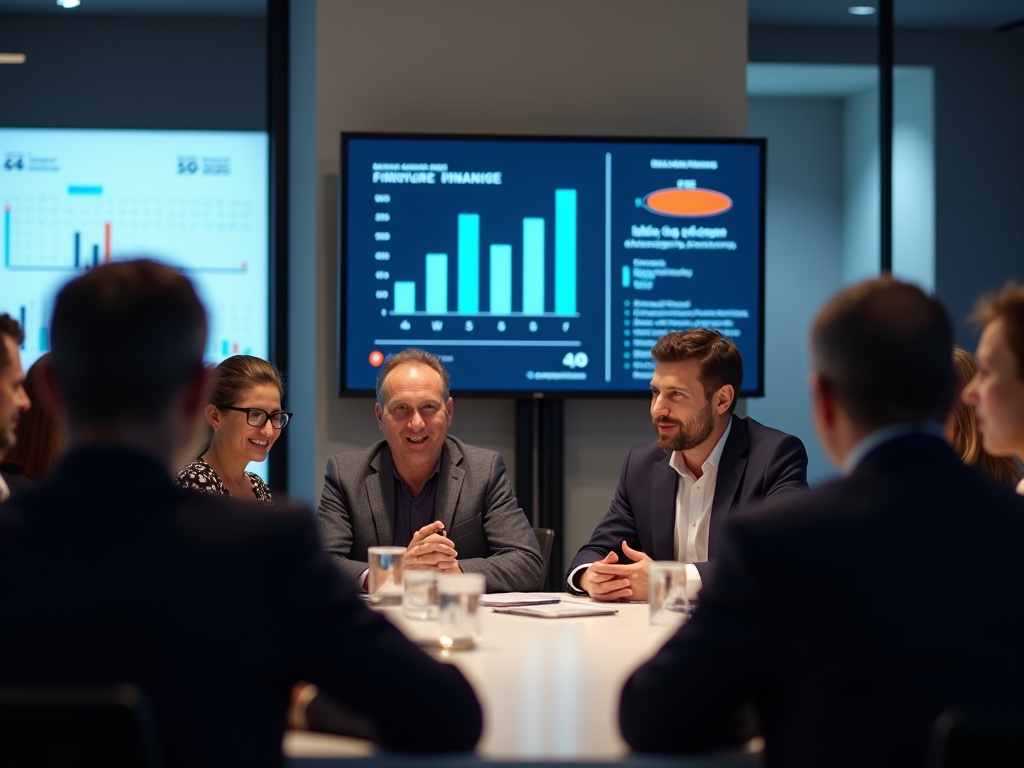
758	462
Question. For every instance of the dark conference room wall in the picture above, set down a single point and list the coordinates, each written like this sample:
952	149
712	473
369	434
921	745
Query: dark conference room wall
140	72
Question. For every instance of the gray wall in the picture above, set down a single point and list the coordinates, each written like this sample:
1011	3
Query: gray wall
979	155
147	72
505	66
804	215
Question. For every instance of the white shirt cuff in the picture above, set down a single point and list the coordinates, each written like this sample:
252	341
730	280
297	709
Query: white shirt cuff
364	574
573	582
693	582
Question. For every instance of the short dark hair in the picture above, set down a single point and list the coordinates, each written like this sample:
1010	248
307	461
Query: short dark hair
1007	306
11	328
719	359
885	348
126	338
417	356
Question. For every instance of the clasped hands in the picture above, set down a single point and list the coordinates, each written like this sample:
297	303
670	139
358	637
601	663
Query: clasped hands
607	579
431	549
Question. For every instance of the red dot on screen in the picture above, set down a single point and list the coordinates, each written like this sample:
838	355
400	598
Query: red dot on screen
376	359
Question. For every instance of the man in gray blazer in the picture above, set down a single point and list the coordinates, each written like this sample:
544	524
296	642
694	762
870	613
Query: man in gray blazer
449	503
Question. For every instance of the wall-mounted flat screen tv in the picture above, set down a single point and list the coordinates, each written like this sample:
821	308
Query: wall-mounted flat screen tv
71	199
546	265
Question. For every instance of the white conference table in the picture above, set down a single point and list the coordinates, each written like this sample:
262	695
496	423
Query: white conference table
549	687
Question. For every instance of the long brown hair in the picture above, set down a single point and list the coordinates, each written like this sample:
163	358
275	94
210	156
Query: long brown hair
39	441
966	438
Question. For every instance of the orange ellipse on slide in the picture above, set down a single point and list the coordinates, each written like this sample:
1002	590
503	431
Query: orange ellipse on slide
376	358
688	202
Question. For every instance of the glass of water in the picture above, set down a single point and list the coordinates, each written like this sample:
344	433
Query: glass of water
666	593
458	599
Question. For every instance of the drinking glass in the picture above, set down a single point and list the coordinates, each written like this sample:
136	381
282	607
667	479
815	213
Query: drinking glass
385	583
666	593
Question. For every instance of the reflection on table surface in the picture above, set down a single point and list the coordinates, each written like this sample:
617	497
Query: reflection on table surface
549	687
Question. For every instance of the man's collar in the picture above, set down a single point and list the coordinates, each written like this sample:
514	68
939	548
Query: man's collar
714	459
884	435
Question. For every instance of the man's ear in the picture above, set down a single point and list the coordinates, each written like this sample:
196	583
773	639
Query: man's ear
449	407
379	413
197	393
723	399
823	400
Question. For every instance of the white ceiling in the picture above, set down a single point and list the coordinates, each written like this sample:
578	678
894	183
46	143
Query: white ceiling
934	14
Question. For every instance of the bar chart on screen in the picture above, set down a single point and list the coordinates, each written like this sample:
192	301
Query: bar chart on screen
75	199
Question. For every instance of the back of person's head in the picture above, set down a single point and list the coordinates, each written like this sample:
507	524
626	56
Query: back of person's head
38	431
884	347
11	329
719	359
414	356
964	429
127	337
1007	306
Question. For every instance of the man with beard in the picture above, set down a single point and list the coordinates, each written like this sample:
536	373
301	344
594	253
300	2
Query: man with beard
13	399
675	493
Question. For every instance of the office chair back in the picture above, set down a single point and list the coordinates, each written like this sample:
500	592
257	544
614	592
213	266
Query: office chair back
76	727
969	738
546	538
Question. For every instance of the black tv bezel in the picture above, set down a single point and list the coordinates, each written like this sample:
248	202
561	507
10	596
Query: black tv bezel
525	394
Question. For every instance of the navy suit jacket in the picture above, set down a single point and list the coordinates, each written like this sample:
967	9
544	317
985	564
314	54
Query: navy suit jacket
758	462
849	617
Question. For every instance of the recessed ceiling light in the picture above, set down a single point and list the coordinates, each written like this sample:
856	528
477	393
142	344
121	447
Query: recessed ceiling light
12	58
856	10
69	3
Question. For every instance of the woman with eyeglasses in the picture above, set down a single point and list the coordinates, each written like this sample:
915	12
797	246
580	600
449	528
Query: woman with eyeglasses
245	419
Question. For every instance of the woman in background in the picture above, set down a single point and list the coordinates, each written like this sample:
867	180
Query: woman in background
39	442
962	429
245	419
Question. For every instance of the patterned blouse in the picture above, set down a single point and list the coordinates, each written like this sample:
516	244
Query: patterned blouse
199	476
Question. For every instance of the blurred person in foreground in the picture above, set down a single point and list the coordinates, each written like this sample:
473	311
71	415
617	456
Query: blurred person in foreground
212	610
14	401
962	429
997	390
39	440
448	503
848	618
244	419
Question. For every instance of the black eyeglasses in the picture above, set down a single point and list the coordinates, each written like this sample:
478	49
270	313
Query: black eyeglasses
257	417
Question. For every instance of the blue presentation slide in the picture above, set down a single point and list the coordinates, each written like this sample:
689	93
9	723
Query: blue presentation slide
547	265
73	199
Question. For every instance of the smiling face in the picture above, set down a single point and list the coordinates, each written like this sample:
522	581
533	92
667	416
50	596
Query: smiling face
683	414
997	394
13	398
414	418
233	432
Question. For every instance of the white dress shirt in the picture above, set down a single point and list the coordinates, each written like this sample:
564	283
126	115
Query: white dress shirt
5	491
694	499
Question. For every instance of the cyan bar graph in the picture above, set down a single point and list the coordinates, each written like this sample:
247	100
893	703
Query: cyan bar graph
469	262
405	297
96	255
82	189
437	283
533	266
7	235
78	249
565	251
501	279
